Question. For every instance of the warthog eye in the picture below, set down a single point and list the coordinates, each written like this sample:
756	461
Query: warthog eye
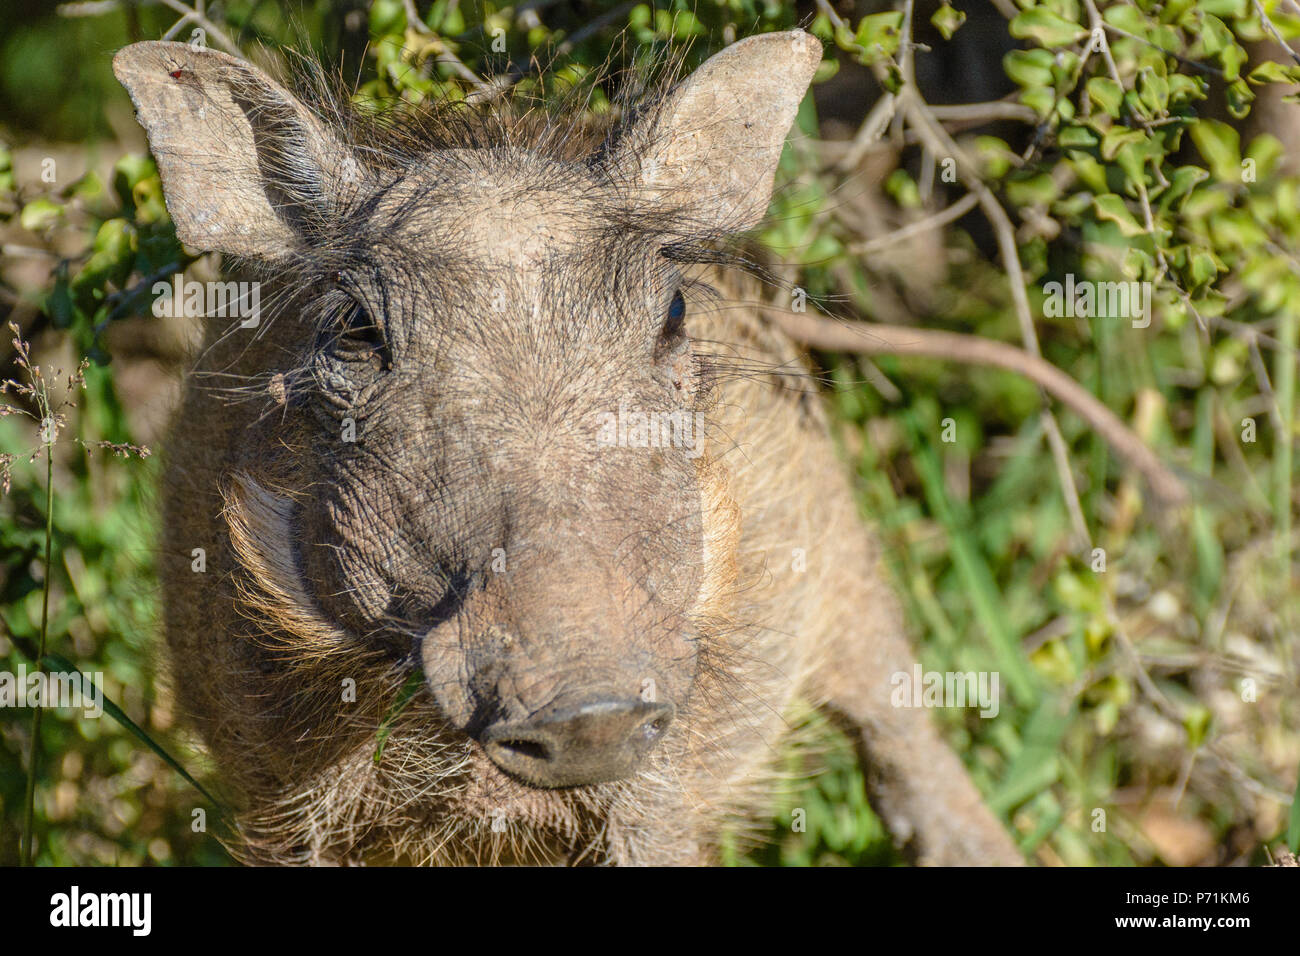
352	335
674	323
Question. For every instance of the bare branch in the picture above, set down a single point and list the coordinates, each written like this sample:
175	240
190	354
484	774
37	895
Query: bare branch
941	218
870	338
1273	32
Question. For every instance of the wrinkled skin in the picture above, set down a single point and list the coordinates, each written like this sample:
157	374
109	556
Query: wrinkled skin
448	612
478	425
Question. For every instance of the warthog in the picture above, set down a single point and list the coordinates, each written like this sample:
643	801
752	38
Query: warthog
452	604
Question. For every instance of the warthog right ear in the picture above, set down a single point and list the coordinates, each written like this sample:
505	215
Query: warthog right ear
713	145
246	168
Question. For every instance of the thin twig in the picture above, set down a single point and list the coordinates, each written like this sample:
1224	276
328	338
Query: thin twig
955	211
442	53
985	112
937	140
870	132
1099	39
876	339
1186	61
195	16
1273	31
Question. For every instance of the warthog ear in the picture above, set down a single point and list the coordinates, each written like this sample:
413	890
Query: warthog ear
714	143
246	168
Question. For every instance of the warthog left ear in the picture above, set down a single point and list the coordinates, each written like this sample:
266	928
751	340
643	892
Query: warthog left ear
713	145
246	168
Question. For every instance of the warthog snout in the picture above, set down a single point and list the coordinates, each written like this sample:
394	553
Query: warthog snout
599	739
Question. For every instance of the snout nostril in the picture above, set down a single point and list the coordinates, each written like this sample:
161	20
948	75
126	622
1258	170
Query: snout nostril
579	743
532	749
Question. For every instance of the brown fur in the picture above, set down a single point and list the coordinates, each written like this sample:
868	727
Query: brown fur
327	563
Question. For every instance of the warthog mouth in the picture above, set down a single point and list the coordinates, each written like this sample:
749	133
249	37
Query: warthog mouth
275	591
508	766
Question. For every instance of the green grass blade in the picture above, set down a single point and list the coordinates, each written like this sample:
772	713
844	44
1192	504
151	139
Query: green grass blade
56	662
1293	825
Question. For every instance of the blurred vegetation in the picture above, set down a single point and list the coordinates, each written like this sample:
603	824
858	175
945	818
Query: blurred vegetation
1152	688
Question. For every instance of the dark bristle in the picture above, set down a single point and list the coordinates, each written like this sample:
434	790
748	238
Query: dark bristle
560	127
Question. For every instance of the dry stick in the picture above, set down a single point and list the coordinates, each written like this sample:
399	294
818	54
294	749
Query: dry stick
1273	32
871	338
1099	38
877	120
439	47
985	112
941	144
188	15
941	218
870	131
195	15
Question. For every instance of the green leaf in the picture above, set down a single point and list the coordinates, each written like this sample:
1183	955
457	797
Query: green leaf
1239	96
404	697
878	35
820	27
947	19
1233	57
56	662
1041	99
1220	144
1236	228
903	189
1138	265
1224	8
1185	89
39	214
1029	68
130	171
1090	171
1128	18
1212	37
825	70
1267	151
59	304
1049	29
1113	209
1038	765
1105	93
1181	183
1153	90
387	16
1270	71
1202	267
1196	722
1117	137
1077	137
1035	190
1131	158
995	156
115	239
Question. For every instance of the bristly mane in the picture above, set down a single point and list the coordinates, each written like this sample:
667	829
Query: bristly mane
558	124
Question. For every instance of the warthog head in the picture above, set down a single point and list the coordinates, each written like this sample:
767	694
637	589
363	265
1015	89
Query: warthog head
488	453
